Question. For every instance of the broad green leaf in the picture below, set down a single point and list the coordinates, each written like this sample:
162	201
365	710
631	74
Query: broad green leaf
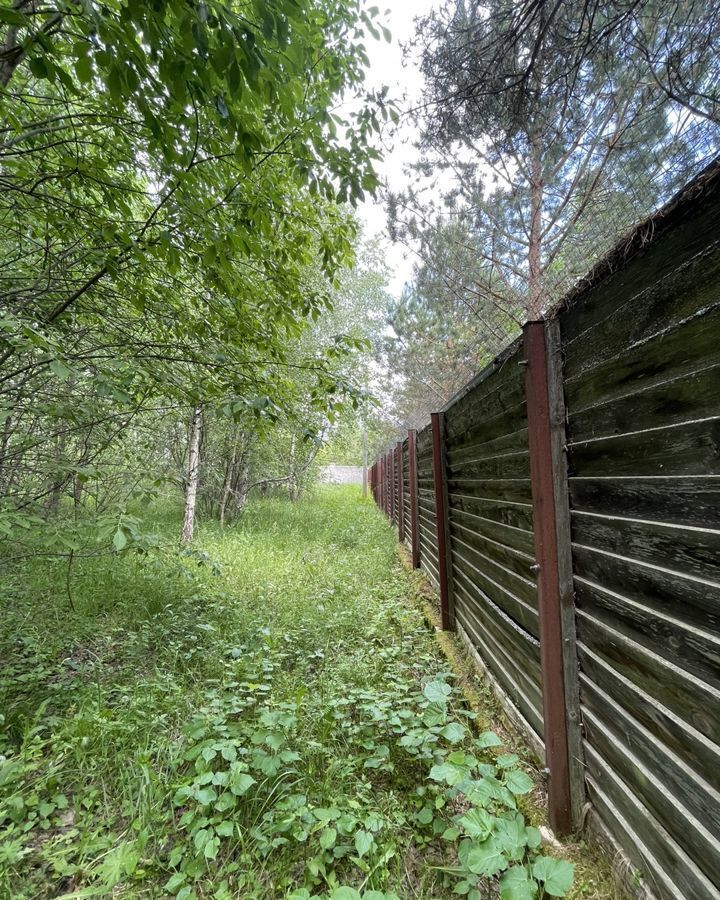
556	875
345	893
488	739
327	838
518	782
59	369
13	17
174	882
485	858
511	835
477	823
507	760
516	884
453	732
448	773
241	783
437	691
363	842
210	850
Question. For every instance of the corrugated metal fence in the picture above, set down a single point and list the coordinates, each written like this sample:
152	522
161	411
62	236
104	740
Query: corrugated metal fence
567	506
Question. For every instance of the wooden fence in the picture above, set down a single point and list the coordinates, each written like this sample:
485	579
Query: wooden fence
566	504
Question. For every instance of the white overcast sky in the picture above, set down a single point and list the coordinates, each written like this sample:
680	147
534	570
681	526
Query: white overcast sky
387	67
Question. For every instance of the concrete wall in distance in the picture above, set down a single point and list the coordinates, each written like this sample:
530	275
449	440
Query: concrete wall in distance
333	474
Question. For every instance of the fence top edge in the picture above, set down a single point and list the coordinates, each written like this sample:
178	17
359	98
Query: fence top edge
702	189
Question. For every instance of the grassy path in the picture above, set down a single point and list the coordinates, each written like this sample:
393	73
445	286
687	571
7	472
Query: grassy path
286	726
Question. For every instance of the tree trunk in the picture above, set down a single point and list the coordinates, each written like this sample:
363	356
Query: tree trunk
535	292
192	476
227	484
292	479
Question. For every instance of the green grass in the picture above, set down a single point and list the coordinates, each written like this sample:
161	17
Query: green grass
283	725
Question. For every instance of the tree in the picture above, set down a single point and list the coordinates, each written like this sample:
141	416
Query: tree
191	484
545	160
675	44
173	187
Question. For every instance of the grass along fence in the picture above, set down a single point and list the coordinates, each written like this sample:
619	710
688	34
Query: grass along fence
567	506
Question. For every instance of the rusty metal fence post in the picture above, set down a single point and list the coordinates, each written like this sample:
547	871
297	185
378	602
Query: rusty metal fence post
393	485
447	610
553	558
412	485
383	486
401	494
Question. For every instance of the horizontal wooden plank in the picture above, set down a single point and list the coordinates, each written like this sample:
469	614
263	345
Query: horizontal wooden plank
519	585
484	426
479	586
491	396
697	601
510	710
428	540
672	353
426	518
510	465
693	500
519	562
692	448
423	439
517	515
518	643
673	731
511	490
518	609
427	528
668	280
480	446
682	399
430	573
688	697
518	538
669	872
695	649
693	551
684	802
504	667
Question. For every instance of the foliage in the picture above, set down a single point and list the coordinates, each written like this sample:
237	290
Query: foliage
177	183
546	132
284	728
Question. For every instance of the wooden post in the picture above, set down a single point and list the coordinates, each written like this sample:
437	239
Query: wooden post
553	558
388	485
412	483
401	494
447	611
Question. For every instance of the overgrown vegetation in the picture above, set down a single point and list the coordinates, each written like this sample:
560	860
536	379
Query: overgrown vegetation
267	717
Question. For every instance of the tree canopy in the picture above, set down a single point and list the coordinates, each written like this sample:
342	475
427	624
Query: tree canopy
177	186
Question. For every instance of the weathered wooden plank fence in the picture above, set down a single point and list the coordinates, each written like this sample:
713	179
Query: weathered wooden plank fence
566	504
